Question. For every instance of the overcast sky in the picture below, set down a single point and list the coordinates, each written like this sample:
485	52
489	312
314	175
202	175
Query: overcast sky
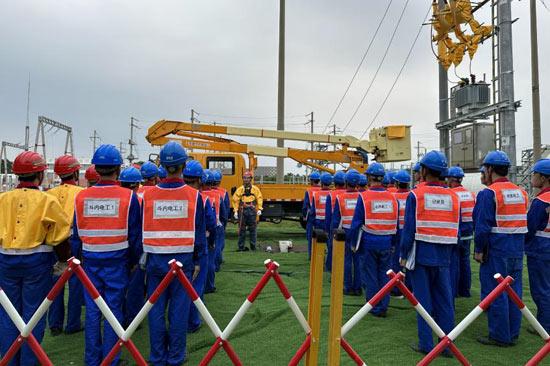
93	64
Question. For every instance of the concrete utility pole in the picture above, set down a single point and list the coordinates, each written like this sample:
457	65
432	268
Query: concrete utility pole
535	83
281	90
310	123
507	117
94	139
443	104
131	141
27	128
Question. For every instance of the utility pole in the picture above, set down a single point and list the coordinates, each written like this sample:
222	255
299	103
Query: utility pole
281	90
334	146
535	83
27	128
94	139
310	122
443	102
121	148
192	122
507	118
131	141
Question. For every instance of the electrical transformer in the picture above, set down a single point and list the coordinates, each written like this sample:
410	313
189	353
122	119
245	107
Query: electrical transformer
470	143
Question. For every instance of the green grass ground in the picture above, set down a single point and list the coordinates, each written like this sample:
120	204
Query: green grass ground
269	333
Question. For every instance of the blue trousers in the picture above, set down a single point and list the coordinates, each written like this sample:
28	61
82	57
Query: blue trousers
211	268
454	270
199	285
111	282
56	313
432	288
26	291
352	271
503	315
220	246
168	345
465	271
135	295
539	285
309	237
374	265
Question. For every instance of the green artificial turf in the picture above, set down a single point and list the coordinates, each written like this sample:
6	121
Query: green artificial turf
269	334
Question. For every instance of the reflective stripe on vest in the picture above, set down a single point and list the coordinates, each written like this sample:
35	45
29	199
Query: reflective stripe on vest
215	201
320	202
38	249
310	191
169	220
437	214
102	218
511	208
380	212
346	202
401	198
545	197
467	203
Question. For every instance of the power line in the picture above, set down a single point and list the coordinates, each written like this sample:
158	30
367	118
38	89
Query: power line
379	65
247	117
360	64
398	74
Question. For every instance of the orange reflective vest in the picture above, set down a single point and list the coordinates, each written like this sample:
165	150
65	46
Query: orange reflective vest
215	200
320	202
391	189
401	198
511	208
437	214
102	218
467	203
141	191
346	204
545	197
380	212
169	220
310	191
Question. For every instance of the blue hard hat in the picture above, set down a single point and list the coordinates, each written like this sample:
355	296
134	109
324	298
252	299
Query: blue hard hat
416	167
326	179
455	172
107	155
542	167
149	170
207	176
497	158
482	169
162	172
445	173
339	177
353	177
363	180
315	176
193	168
172	153
130	175
402	176
434	160
376	169
217	175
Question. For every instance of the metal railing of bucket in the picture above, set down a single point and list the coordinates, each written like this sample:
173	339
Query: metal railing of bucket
175	272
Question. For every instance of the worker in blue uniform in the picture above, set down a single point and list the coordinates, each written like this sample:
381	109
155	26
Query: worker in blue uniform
431	224
362	183
372	231
403	181
220	245
339	180
32	226
342	215
314	179
107	233
193	174
500	217
173	228
320	210
537	242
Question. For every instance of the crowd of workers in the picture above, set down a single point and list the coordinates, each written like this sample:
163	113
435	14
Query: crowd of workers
427	233
128	224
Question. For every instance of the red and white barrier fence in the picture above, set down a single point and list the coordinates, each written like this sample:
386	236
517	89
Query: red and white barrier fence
175	272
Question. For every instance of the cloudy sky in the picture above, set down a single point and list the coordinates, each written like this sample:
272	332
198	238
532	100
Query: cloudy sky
93	64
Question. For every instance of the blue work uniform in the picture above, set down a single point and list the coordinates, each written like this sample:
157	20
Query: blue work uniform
214	246
428	266
31	222
374	251
107	268
199	283
352	262
168	346
220	239
322	221
503	253
306	206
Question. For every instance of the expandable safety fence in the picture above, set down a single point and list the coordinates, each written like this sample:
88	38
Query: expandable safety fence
175	273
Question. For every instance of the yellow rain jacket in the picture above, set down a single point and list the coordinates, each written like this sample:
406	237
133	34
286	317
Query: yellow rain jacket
29	218
65	194
254	197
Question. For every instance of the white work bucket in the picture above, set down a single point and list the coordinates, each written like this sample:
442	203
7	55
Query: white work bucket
284	245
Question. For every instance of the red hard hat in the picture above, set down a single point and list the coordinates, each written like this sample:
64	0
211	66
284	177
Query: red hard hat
91	175
29	162
247	174
65	165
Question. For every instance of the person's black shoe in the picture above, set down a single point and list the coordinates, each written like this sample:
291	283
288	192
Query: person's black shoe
74	331
532	331
210	291
240	250
415	347
56	331
245	249
488	341
253	249
382	314
447	354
